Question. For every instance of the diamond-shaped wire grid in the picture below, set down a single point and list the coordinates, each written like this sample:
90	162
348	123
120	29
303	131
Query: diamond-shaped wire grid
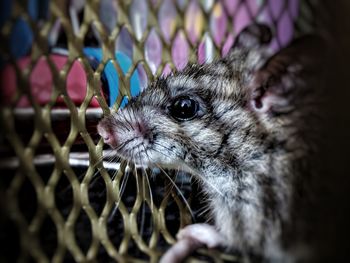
60	61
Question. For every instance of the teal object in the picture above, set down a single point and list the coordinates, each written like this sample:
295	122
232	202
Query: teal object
110	74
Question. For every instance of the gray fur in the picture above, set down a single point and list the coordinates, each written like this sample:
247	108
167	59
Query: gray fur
249	161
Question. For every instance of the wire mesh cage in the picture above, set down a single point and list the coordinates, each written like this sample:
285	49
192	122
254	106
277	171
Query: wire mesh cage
64	196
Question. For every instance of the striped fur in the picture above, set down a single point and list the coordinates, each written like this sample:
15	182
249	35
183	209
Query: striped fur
249	162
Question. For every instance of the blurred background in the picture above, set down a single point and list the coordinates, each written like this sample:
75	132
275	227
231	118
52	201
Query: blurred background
63	64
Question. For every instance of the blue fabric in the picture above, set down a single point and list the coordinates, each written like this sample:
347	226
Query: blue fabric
110	74
21	39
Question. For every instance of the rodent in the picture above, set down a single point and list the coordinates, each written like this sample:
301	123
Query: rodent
244	125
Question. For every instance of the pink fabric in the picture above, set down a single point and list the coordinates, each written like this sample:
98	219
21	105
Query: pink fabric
41	82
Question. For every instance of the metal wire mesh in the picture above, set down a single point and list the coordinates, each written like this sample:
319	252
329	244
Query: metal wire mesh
60	201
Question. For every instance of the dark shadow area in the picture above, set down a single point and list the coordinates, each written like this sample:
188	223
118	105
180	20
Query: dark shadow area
332	229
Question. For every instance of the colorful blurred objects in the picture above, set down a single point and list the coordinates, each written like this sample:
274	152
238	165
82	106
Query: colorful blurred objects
41	81
225	20
110	74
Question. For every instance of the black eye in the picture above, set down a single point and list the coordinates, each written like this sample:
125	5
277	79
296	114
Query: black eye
184	108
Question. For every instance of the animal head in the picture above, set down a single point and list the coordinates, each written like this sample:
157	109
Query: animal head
223	114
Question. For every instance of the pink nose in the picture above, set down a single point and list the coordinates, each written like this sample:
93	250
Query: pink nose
106	135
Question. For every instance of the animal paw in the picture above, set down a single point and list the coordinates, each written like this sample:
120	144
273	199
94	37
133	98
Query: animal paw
203	234
189	239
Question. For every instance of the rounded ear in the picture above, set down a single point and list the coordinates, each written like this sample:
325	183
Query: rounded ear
284	75
254	35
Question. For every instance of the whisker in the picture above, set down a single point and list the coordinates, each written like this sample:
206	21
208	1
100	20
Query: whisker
143	212
82	174
114	175
123	185
112	215
212	186
123	144
122	189
203	211
164	154
148	182
126	120
178	190
165	134
150	190
113	159
143	217
201	177
137	181
165	147
172	182
128	112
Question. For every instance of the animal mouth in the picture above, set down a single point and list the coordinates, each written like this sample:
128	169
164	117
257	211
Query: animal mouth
134	150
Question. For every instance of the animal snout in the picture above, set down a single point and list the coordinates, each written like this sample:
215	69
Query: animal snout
107	135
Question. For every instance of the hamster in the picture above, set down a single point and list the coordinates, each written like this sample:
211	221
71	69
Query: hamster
245	127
